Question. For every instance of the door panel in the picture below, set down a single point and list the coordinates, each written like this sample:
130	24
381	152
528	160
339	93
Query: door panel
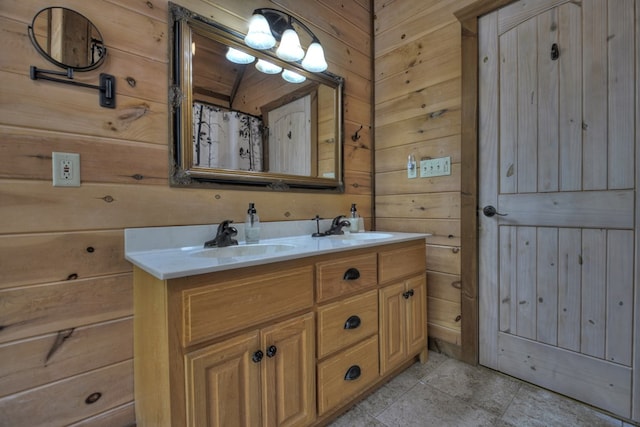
557	264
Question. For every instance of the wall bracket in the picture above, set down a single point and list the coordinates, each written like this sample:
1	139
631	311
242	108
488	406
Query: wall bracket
107	86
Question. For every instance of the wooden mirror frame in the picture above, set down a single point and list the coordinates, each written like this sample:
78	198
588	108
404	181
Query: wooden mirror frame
182	24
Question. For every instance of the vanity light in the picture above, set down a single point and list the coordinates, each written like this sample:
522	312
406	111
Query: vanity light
268	26
314	60
267	67
292	77
259	35
290	49
239	57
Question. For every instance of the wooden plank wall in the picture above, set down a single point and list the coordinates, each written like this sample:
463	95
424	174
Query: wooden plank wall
417	103
65	288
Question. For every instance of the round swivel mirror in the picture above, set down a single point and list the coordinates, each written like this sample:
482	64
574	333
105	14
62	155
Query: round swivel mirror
67	39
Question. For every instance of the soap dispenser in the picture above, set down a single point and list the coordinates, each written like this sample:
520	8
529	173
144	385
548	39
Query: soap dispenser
354	219
252	225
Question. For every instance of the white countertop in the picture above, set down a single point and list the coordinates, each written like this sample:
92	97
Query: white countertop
172	252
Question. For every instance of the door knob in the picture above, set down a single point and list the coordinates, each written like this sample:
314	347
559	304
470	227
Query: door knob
491	211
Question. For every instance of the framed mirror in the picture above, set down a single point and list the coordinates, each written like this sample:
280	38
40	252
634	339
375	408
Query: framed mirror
67	39
236	125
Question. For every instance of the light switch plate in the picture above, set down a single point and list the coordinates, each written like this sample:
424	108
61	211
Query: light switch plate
66	169
435	167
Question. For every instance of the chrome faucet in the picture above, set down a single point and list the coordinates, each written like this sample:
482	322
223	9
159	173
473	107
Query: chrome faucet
224	236
336	225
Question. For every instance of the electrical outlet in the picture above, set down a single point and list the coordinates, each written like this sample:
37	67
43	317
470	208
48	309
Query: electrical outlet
66	169
435	167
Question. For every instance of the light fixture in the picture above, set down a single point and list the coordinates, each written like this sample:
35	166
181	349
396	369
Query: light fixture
259	35
239	57
267	67
314	60
293	77
268	26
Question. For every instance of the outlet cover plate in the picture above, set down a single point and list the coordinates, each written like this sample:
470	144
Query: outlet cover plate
66	169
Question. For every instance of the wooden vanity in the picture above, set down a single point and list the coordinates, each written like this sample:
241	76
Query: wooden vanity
289	343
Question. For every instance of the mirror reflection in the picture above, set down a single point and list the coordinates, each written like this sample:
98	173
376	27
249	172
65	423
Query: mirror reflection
67	39
238	124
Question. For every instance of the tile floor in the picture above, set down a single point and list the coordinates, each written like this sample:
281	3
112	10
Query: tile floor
445	392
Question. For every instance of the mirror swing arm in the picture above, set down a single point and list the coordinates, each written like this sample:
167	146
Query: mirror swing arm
107	86
107	82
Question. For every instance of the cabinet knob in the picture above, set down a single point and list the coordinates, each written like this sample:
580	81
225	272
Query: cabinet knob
272	350
352	322
351	274
408	294
353	373
257	356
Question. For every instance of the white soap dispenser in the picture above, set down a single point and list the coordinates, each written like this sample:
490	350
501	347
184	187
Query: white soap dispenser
252	225
354	219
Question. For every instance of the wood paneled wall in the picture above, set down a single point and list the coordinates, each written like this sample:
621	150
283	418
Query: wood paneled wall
65	288
417	104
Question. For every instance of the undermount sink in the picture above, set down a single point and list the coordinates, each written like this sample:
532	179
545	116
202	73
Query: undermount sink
364	236
243	250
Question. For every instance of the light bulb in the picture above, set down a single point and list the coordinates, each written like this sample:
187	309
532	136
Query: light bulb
239	57
314	60
292	77
289	48
267	67
259	35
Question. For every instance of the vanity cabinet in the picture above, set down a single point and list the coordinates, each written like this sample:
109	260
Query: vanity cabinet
273	369
234	348
289	343
403	306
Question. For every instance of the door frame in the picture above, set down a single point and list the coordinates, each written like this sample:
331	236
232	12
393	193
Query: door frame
468	18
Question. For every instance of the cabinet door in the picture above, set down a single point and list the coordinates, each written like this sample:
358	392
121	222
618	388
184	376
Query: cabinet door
289	384
392	326
223	384
416	315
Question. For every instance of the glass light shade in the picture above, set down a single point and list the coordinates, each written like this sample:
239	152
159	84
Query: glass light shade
239	57
259	35
314	60
267	67
290	49
292	77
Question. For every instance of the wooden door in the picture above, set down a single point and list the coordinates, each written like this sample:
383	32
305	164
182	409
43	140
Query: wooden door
416	316
289	385
557	149
289	132
392	327
223	384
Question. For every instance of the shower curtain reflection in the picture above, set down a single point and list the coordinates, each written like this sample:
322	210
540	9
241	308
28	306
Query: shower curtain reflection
225	139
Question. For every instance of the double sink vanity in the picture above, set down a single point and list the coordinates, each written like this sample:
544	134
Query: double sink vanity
291	331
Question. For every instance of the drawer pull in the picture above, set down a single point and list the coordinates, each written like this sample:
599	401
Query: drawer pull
272	350
351	274
353	373
352	322
408	294
257	356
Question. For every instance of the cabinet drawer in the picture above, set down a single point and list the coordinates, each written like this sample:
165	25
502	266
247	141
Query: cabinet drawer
346	322
402	262
345	276
218	309
333	386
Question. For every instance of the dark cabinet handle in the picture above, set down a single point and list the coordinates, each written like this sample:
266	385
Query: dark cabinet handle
352	322
272	350
257	356
408	294
351	274
353	373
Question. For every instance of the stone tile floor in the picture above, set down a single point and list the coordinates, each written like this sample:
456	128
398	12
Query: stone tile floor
446	392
